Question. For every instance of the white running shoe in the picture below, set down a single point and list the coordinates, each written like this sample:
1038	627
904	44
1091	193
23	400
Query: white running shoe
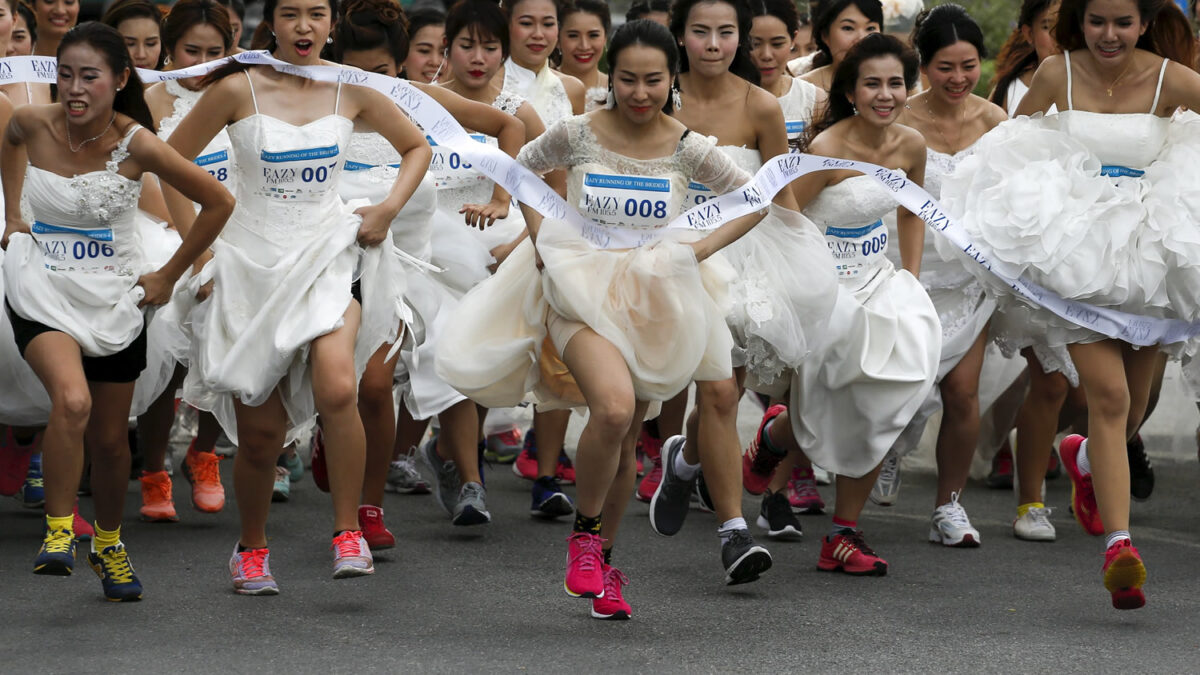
1035	525
886	490
823	477
951	527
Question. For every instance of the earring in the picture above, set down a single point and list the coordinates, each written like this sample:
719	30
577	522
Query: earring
676	99
854	108
329	40
611	101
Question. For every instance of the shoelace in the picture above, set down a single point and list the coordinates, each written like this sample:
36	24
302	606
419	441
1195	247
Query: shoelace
204	468
589	551
253	563
954	512
116	565
856	539
1041	516
472	491
36	482
614	579
348	544
59	541
806	488
159	491
890	469
407	466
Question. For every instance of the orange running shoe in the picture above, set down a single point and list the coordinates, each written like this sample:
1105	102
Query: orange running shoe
203	471
157	505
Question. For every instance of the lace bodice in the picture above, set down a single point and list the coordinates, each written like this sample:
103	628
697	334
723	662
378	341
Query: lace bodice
544	91
571	144
481	192
370	149
185	100
102	204
858	200
595	98
215	158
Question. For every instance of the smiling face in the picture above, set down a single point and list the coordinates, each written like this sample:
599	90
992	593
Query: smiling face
55	17
22	40
199	44
378	60
582	41
86	84
770	48
1111	29
425	53
848	28
143	40
475	58
710	38
953	72
641	82
533	32
880	91
301	28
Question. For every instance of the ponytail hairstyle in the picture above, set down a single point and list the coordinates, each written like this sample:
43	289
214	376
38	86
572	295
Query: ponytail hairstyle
482	19
644	33
828	12
109	43
845	80
371	24
124	10
943	26
742	65
1018	54
784	10
263	38
188	13
1168	33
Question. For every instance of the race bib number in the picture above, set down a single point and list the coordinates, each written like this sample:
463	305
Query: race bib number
697	194
637	202
216	164
70	249
450	170
795	128
856	250
299	174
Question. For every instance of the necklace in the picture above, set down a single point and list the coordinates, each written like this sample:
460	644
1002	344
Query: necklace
1114	82
71	145
933	118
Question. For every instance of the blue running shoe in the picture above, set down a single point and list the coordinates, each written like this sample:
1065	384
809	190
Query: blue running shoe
116	573
33	492
57	556
549	501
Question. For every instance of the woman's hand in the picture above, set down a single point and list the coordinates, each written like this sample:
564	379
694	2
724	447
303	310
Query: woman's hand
485	215
157	287
701	249
376	220
12	228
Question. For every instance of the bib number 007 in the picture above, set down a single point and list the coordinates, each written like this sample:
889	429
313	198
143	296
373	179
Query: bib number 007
318	174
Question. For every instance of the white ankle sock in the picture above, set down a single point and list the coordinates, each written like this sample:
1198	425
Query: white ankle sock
728	527
1116	537
683	469
1085	465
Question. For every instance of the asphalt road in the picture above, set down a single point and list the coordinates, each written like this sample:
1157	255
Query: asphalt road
490	599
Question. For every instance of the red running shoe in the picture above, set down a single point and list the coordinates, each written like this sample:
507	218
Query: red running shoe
14	463
370	520
565	471
652	448
1083	494
758	463
526	464
83	529
612	606
585	563
1124	575
320	472
850	554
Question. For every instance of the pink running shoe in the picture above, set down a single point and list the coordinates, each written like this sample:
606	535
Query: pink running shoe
612	606
1124	574
758	463
652	447
585	563
1083	494
83	529
251	572
802	493
351	555
14	463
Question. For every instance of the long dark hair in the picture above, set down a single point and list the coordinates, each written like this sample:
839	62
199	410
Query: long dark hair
828	12
263	38
30	19
124	10
944	26
596	8
845	79
784	10
1018	54
482	19
371	24
188	13
1169	34
106	40
640	9
742	65
645	33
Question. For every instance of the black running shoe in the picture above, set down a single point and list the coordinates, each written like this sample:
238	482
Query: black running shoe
1141	474
776	517
744	560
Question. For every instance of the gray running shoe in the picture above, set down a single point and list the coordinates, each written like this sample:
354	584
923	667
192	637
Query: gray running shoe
471	508
887	487
403	477
743	559
671	501
445	473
